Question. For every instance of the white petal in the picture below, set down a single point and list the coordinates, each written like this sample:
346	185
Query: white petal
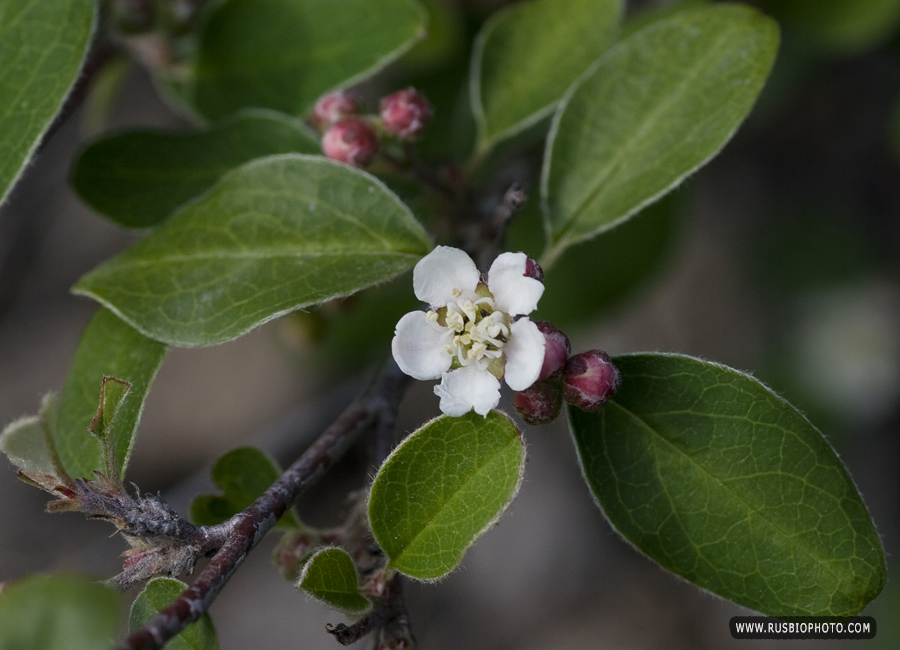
468	388
440	272
514	293
417	347
524	354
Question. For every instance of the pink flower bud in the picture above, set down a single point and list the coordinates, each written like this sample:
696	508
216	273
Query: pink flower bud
332	108
405	114
538	404
589	380
534	270
556	350
352	141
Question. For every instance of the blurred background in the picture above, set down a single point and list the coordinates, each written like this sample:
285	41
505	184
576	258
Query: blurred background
781	258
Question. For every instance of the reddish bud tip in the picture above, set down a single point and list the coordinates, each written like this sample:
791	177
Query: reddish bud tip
405	114
556	350
538	404
589	380
332	108
534	270
352	141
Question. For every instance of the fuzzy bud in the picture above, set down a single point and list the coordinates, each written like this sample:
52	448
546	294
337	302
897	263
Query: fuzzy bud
405	114
589	380
352	141
332	108
556	350
538	404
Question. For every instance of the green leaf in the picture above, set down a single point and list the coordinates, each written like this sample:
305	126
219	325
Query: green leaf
650	14
156	596
138	178
57	612
272	236
330	577
719	480
112	395
528	54
284	54
243	474
28	443
654	109
108	348
42	46
442	488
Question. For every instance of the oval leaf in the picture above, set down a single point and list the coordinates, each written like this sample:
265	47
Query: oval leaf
442	488
138	178
330	577
724	483
284	54
654	109
108	348
527	55
155	597
42	45
243	474
275	235
58	612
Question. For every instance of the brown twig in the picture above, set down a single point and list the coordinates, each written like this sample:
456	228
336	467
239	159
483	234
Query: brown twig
391	616
251	525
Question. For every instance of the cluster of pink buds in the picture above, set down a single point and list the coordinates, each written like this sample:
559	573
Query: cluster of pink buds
587	380
353	138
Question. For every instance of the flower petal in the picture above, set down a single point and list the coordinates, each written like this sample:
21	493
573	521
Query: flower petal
468	388
524	354
417	347
440	272
514	293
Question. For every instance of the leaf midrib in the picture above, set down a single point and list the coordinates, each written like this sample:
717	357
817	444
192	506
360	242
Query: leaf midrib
823	563
631	143
452	496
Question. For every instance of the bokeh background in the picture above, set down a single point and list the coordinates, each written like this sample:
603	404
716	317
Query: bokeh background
781	257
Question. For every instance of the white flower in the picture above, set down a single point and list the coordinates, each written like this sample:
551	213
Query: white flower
471	338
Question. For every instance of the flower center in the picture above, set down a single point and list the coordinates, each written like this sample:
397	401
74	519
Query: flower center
474	332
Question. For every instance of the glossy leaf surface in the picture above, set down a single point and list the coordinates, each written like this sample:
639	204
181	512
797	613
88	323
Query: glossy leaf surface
528	54
330	577
442	488
42	45
138	178
655	108
721	481
275	235
58	612
156	596
284	54
108	348
243	474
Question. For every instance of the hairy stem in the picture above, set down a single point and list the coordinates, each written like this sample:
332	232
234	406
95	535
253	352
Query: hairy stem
250	526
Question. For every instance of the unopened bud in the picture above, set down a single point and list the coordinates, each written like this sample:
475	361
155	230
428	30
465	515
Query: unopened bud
332	108
533	270
538	404
556	350
405	114
352	141
590	379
